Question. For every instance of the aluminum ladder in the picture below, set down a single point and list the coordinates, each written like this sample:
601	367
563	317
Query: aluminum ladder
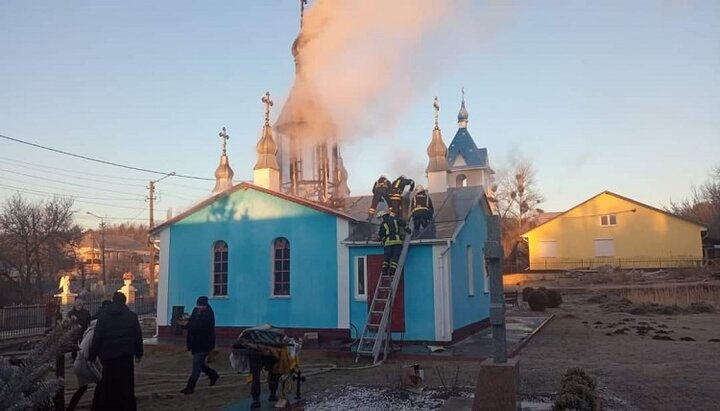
376	333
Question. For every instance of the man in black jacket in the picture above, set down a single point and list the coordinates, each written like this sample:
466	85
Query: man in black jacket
82	317
200	341
116	341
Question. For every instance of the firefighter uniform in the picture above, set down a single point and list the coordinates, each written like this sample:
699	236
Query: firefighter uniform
392	232
422	209
396	192
381	191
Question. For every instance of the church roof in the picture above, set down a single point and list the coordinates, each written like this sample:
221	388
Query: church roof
451	209
249	186
464	145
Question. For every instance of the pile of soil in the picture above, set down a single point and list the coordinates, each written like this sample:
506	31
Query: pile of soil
612	302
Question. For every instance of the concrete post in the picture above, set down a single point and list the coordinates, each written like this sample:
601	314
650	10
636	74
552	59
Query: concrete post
494	258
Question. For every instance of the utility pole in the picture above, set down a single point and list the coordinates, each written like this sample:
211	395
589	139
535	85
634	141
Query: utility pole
151	224
102	245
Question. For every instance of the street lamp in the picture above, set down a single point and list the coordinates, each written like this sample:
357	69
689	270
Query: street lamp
102	244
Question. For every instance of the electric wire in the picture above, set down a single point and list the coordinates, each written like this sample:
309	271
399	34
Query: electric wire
79	199
70	184
82	173
67	153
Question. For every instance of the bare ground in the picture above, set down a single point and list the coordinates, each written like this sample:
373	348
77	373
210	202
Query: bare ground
633	371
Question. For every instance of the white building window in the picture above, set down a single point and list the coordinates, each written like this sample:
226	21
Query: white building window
604	247
470	272
461	181
281	267
547	249
361	278
220	269
608	220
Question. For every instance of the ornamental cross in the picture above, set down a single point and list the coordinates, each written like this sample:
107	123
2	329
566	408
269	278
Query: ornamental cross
463	94
436	106
268	104
225	137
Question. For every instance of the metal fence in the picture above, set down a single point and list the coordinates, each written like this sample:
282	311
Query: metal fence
620	263
27	320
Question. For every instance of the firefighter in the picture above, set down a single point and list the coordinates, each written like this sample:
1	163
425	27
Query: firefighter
422	208
392	232
381	191
396	194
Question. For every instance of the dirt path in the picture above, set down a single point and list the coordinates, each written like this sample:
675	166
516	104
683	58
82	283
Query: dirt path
647	373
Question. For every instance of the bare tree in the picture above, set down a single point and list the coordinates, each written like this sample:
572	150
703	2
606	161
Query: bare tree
703	204
36	240
517	200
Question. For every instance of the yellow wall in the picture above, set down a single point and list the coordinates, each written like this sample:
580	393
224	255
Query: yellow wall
643	238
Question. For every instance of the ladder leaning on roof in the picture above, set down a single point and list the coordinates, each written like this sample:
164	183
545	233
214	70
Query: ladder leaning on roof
376	333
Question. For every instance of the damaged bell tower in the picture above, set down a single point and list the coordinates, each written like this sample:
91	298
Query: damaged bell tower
310	162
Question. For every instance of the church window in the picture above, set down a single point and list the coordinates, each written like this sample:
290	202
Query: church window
461	181
220	268
281	266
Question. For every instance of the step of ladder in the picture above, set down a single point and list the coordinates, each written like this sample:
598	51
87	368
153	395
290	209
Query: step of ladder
376	336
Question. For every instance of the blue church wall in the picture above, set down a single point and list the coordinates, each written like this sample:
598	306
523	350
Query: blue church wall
249	221
419	292
468	309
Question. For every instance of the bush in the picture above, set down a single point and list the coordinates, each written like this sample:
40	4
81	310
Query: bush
577	392
537	300
526	292
554	298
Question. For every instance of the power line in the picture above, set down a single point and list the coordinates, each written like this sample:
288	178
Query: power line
44	167
70	184
75	177
110	163
79	199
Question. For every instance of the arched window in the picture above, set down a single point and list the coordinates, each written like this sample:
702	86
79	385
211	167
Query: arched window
461	181
220	268
281	266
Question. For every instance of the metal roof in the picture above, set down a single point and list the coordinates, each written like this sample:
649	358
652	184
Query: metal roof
463	144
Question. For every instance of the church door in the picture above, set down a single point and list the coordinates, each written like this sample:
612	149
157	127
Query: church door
374	265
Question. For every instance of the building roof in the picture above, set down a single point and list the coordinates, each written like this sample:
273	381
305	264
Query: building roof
113	242
248	186
559	215
451	210
463	144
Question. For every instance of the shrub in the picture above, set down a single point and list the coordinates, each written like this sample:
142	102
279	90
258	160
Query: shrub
537	300
577	392
526	292
554	298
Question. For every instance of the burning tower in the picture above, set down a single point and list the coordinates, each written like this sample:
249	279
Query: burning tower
310	162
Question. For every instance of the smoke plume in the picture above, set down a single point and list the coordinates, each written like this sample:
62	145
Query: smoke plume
367	60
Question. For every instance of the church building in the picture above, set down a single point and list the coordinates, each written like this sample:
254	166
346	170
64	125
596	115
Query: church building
294	249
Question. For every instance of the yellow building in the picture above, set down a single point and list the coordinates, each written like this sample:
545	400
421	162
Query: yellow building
611	229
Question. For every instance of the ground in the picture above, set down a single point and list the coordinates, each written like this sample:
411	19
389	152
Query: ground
640	361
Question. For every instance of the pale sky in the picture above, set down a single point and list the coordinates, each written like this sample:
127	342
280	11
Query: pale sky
621	96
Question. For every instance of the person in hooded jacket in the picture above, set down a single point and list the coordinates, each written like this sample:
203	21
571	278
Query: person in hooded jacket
116	340
200	342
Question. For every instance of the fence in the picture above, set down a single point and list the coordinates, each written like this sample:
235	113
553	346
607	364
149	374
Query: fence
28	320
620	263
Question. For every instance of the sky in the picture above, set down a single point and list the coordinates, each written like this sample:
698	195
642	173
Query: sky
619	96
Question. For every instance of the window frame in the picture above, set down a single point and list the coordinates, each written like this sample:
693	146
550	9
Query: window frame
461	180
356	277
214	273
610	220
541	249
273	273
598	241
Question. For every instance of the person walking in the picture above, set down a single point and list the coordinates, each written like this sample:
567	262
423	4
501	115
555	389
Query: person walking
82	318
391	236
396	194
116	340
422	208
86	372
200	342
381	191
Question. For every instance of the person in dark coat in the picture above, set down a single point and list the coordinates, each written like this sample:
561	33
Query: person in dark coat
200	341
117	339
392	233
422	208
381	192
82	318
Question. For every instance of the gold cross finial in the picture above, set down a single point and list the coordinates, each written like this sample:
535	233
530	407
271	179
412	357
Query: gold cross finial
225	137
436	106
268	104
